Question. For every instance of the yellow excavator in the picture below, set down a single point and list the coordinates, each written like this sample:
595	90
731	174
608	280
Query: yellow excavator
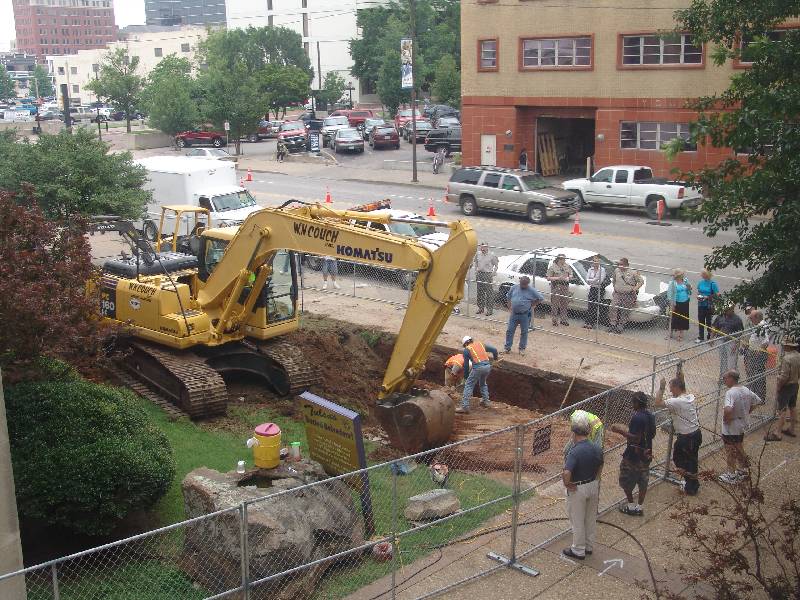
220	305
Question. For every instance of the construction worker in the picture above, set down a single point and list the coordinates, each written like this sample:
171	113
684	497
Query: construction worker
454	370
476	354
596	429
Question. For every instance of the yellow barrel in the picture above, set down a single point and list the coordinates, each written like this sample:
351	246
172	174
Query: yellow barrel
267	453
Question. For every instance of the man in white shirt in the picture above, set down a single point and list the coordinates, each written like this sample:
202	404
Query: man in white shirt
739	403
686	425
485	269
596	278
756	354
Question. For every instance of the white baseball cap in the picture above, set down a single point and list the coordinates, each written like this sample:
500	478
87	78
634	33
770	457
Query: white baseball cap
465	339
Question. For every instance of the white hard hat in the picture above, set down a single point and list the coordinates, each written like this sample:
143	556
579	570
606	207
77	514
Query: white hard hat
465	339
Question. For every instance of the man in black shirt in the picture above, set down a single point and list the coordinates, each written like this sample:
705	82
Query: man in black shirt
634	470
581	478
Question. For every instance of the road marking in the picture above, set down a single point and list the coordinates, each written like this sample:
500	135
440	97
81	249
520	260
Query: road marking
614	562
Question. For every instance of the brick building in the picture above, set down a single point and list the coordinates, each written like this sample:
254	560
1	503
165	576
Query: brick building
59	27
595	75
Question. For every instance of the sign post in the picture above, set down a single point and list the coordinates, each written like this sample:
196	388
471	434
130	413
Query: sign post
335	442
407	82
227	126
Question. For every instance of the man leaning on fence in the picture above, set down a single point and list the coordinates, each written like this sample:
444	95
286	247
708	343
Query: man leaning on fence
626	289
485	269
581	475
726	326
634	470
686	426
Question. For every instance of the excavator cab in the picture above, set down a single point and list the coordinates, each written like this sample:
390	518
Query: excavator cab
180	227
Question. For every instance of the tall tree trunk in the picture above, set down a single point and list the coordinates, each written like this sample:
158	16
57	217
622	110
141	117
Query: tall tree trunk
128	122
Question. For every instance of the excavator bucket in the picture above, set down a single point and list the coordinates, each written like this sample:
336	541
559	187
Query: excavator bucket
417	423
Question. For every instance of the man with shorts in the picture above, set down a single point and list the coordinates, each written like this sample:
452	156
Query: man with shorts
739	403
634	470
788	376
329	267
686	425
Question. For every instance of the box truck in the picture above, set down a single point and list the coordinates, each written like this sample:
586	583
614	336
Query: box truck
210	184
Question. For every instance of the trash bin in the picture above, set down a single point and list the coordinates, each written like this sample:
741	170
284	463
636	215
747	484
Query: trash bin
267	452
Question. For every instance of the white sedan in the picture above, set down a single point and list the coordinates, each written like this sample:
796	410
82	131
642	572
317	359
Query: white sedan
535	264
211	154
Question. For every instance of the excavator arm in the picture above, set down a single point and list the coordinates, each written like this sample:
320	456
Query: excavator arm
316	229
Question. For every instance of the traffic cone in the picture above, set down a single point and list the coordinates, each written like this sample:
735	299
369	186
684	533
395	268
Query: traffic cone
241	182
249	175
328	196
576	226
431	211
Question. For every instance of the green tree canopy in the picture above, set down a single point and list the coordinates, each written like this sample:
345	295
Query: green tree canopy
170	96
758	114
43	84
6	85
447	82
73	173
118	82
389	90
332	89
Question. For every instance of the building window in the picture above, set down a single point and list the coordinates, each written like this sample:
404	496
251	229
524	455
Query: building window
61	70
648	135
487	55
75	88
158	52
184	47
73	70
746	53
652	50
557	52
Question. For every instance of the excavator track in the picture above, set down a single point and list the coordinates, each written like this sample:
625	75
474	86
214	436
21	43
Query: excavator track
301	375
182	377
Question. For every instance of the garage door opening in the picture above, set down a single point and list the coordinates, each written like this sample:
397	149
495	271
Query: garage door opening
563	145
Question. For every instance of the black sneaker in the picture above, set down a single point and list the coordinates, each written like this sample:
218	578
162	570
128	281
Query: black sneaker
570	554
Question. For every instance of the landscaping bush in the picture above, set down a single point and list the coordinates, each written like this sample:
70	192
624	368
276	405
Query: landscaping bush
84	454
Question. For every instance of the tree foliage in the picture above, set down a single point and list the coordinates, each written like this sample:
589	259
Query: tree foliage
118	82
170	96
389	81
6	84
44	85
447	82
757	114
44	307
84	455
72	174
332	90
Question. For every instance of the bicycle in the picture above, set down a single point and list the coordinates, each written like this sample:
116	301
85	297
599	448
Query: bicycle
438	160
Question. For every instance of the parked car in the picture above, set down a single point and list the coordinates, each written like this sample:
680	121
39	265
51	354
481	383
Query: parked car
119	115
448	138
424	127
535	264
200	136
384	136
506	190
355	116
403	116
633	186
330	125
347	139
434	112
444	122
211	153
368	124
293	134
50	115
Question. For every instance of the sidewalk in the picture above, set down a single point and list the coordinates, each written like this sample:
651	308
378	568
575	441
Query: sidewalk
617	569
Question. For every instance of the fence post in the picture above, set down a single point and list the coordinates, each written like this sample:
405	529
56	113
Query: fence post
245	552
517	488
653	378
54	572
395	549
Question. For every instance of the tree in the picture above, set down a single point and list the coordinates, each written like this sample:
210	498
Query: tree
169	98
757	114
389	90
43	84
118	83
284	85
6	85
72	174
332	89
447	82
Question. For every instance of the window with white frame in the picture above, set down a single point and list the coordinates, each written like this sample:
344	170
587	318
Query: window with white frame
488	54
655	50
649	135
557	52
746	53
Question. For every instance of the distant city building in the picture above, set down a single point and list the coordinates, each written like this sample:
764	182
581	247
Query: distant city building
184	12
20	67
150	44
59	27
331	23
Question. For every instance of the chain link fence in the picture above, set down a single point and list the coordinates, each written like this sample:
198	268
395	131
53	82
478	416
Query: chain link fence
330	538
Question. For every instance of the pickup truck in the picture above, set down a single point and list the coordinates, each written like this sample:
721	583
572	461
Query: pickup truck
633	186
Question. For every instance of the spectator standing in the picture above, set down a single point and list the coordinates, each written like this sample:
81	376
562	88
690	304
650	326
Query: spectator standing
329	268
678	293
788	377
281	150
453	370
707	293
477	355
686	425
485	269
726	326
756	354
596	278
523	160
634	470
739	403
522	298
581	475
559	275
626	284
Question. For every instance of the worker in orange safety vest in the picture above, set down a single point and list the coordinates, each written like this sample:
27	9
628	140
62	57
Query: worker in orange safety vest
454	370
477	367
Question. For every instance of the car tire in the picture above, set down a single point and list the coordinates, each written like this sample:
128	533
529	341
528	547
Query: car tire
181	143
149	230
217	142
651	207
468	206
397	146
537	214
581	202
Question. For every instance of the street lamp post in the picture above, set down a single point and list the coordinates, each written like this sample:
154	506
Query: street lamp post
350	89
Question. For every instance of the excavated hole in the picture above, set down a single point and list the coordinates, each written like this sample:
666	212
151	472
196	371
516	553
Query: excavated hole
258	480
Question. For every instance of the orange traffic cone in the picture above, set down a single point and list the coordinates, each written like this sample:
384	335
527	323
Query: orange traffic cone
576	226
241	182
431	212
328	196
249	175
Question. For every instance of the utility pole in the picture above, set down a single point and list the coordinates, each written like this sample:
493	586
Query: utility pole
412	4
319	74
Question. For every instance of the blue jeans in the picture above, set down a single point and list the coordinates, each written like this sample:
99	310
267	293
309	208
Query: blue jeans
477	374
524	322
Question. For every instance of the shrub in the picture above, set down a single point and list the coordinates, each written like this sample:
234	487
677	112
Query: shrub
84	454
